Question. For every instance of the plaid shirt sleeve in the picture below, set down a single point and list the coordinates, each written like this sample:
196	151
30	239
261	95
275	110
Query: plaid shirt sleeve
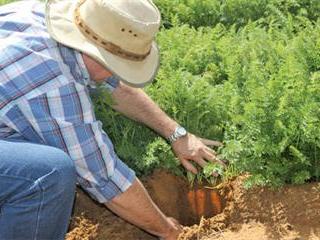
64	118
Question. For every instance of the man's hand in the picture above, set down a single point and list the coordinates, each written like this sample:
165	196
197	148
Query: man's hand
176	229
190	149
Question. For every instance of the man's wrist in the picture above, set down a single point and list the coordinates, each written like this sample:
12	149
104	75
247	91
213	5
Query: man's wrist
169	129
178	133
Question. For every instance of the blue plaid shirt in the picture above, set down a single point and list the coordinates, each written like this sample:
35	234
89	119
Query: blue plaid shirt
44	98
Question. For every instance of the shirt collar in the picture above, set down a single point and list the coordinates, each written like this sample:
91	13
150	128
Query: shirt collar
82	66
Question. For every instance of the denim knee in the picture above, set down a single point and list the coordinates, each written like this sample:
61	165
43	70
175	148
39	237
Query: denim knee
37	189
66	172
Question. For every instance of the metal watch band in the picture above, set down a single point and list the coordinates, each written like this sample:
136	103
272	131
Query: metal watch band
172	138
176	135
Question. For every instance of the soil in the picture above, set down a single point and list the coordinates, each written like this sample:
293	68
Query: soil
231	212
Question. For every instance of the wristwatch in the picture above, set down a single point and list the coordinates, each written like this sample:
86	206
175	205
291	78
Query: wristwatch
178	133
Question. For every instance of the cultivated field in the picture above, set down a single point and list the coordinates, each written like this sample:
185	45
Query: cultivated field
247	73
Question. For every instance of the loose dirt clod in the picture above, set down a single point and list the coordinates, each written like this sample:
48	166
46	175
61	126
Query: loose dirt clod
290	213
83	229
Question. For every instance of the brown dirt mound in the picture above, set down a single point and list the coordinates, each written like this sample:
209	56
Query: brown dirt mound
290	213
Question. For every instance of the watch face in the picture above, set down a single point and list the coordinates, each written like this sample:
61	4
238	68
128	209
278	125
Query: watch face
181	131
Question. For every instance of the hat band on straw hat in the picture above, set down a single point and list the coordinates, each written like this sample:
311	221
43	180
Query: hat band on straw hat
108	46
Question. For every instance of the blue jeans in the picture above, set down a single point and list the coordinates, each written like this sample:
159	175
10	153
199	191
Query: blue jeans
37	187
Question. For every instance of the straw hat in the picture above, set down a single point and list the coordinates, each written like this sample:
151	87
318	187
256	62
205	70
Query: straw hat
119	34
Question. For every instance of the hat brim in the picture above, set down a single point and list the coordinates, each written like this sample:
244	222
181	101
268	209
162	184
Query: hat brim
61	27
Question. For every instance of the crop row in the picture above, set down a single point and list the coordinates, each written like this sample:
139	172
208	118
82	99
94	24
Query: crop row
254	87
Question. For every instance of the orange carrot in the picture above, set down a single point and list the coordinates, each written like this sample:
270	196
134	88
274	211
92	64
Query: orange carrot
200	202
216	201
192	202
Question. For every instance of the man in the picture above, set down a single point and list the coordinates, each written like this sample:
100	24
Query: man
50	55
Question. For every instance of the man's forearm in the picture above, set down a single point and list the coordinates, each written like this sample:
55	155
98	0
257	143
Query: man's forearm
136	206
137	105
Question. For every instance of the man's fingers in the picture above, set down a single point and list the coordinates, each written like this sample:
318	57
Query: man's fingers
200	161
212	157
210	151
209	142
189	166
209	155
176	223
